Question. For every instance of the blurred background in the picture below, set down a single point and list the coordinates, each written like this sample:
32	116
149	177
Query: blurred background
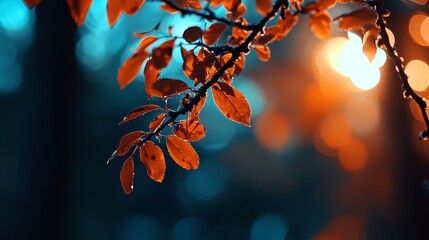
332	153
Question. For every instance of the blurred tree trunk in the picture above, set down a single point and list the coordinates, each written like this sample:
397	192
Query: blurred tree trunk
50	89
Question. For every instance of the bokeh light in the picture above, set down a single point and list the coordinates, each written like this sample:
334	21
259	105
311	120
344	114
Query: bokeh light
15	18
418	74
362	114
272	130
416	28
348	59
335	131
269	227
353	156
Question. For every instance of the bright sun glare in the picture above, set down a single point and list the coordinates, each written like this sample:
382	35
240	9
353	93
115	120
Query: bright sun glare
347	58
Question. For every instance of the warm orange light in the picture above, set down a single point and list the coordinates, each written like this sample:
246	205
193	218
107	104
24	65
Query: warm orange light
418	75
334	131
353	156
347	58
419	2
417	32
424	30
362	114
272	130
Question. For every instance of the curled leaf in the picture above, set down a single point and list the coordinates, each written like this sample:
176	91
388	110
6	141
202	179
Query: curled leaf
140	111
79	9
182	152
162	54
285	25
115	8
128	141
320	24
263	53
189	130
153	158
157	121
213	33
192	34
127	175
358	19
369	43
167	87
231	103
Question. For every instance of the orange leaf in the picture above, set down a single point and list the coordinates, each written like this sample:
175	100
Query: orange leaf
320	5
195	4
263	53
140	111
79	9
231	5
265	39
263	6
320	24
214	32
157	121
168	8
215	3
32	3
162	54
198	107
116	7
358	19
369	43
231	103
189	130
128	141
153	158
286	24
182	152
192	34
239	11
167	87
131	67
150	77
239	64
127	175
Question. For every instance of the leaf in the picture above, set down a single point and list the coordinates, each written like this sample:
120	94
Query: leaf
213	33
196	109
263	6
286	25
167	87
358	19
157	121
131	67
153	158
215	3
79	9
369	43
265	39
168	8
116	7
127	175
238	12
162	54
263	53
231	103
320	5
320	24
128	141
189	130
195	4
192	34
182	152
239	64
150	77
140	111
32	3
231	5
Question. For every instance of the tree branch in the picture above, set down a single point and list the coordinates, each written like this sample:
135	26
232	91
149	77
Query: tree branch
398	63
209	15
236	51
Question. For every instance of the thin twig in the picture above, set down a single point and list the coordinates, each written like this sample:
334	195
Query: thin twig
398	63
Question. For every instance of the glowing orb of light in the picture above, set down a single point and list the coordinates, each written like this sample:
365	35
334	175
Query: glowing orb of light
347	58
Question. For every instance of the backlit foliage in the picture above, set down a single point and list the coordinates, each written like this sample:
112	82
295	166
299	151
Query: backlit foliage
213	53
